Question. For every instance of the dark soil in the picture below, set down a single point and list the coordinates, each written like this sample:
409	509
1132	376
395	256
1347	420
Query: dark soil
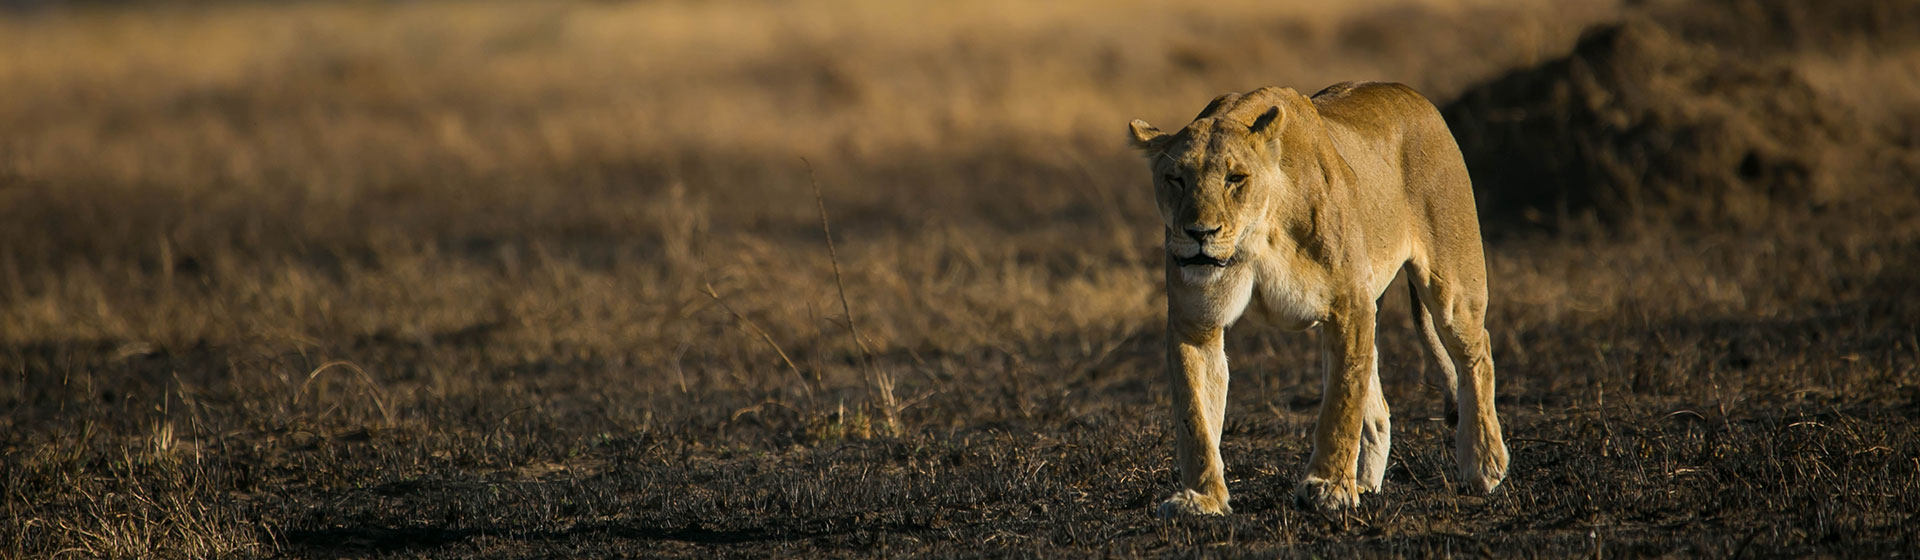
1782	433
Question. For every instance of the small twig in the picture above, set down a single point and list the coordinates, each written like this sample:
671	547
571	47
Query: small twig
1088	366
763	336
756	408
1538	440
931	392
877	382
1695	415
385	413
501	422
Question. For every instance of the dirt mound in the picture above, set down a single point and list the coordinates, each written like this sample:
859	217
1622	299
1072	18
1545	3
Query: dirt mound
1637	121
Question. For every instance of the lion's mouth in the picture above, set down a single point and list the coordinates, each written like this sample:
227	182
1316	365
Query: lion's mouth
1203	259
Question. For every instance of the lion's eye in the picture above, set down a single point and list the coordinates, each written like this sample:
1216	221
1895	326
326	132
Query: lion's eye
1173	181
1236	178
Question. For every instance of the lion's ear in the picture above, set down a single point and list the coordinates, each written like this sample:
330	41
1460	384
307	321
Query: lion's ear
1145	136
1265	124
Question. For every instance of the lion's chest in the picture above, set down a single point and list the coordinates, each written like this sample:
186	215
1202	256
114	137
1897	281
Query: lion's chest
1270	287
1288	296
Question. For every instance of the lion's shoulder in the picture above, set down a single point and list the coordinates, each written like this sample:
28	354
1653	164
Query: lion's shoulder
1380	102
1389	116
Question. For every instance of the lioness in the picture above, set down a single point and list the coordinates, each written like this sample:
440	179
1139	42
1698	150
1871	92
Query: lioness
1298	212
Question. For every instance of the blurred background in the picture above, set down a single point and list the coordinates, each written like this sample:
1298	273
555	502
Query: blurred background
505	230
572	173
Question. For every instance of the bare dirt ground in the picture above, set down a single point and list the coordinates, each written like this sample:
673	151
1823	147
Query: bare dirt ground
491	279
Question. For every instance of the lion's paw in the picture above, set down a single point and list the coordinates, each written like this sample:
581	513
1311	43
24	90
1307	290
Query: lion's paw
1483	470
1188	503
1320	494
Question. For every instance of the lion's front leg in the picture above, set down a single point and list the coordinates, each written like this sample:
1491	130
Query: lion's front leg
1330	484
1197	368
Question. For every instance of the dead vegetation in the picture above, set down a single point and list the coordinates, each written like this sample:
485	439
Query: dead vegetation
466	279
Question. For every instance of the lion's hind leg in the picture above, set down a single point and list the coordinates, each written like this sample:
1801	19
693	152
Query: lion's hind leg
1459	313
1444	376
1478	445
1376	434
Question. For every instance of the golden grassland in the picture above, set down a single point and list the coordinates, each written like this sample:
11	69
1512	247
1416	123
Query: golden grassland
351	169
323	222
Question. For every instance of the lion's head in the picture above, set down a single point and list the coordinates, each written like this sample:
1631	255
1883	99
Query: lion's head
1215	178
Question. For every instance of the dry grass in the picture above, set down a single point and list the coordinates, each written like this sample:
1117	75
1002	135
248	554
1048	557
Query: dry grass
567	177
341	138
271	274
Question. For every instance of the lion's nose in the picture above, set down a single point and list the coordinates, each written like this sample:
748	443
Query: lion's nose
1201	235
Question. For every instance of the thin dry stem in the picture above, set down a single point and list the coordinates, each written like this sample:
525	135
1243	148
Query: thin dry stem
879	382
768	338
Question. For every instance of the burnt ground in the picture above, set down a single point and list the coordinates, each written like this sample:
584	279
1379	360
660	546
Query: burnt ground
1782	436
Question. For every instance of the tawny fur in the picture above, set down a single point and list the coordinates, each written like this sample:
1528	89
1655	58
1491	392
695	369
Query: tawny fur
1298	212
